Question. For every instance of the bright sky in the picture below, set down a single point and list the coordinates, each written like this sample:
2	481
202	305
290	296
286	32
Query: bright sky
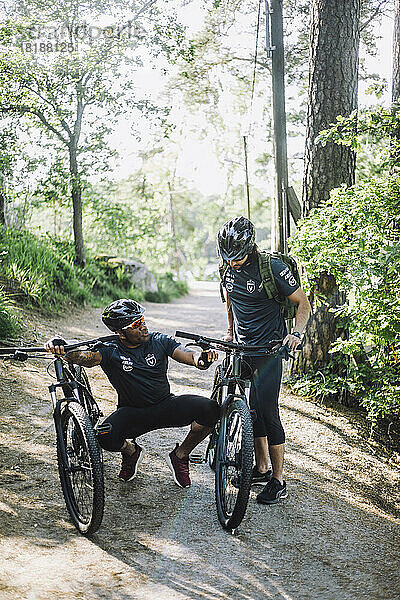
197	160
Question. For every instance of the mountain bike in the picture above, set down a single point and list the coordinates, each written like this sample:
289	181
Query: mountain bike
230	448
76	417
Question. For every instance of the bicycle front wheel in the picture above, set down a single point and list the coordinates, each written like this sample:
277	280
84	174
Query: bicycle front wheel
234	463
212	446
80	469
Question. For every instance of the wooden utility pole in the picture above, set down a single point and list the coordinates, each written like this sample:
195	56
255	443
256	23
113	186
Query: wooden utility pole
275	49
247	176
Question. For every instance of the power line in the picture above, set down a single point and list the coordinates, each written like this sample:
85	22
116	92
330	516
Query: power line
253	84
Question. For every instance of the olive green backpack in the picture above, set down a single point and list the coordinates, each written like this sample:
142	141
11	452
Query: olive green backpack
288	308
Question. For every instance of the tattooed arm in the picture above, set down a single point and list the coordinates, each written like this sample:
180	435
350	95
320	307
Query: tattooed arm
85	358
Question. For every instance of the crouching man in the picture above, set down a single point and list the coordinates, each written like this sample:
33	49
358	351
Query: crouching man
136	366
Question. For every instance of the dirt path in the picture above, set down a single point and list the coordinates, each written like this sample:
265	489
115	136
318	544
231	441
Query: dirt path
336	537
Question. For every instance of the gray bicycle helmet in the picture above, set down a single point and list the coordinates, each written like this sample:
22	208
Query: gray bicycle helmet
121	313
236	239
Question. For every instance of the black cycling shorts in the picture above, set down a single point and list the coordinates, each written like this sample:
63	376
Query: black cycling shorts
266	376
128	422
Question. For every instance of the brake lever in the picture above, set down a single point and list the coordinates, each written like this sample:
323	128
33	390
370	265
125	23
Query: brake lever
200	344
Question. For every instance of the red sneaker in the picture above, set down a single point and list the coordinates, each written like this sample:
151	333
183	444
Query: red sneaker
130	464
179	468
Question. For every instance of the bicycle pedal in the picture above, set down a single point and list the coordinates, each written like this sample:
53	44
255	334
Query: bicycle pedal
197	459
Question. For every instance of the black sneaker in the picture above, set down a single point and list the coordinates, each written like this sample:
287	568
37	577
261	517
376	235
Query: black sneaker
273	492
258	478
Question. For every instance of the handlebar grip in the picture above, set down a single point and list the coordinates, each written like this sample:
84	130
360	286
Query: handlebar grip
187	336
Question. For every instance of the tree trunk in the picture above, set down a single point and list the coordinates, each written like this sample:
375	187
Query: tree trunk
333	85
396	54
323	327
76	194
3	220
395	141
174	259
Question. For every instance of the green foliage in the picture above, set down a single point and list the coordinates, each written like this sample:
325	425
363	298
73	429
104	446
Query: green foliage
128	219
9	321
132	218
168	288
354	236
71	80
37	272
380	125
42	272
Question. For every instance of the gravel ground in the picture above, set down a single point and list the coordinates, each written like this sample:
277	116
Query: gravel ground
336	537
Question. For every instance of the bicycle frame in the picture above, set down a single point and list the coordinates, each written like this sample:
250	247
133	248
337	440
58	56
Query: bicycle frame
230	450
76	416
232	374
70	385
57	402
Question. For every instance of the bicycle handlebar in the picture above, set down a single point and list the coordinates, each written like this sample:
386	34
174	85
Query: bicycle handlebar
107	338
204	342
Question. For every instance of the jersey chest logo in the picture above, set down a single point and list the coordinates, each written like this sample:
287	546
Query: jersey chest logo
151	360
251	286
127	363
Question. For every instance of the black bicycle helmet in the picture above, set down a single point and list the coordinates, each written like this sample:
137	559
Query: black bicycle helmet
236	239
121	313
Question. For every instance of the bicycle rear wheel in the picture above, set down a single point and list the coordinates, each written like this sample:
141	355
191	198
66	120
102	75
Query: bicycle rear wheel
80	469
234	463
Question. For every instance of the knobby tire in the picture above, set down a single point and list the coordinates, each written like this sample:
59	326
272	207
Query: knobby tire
216	394
81	478
85	393
234	463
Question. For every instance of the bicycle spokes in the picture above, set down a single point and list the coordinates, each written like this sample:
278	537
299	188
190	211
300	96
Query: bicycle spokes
231	462
234	464
80	468
80	471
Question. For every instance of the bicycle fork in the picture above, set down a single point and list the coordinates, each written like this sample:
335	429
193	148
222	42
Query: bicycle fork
57	415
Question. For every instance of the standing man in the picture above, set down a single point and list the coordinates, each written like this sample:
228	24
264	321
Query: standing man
255	318
136	366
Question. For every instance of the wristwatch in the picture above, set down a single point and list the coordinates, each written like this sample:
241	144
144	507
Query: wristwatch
297	334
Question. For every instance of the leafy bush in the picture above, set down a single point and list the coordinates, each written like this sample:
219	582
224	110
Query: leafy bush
41	272
168	288
9	322
36	271
355	237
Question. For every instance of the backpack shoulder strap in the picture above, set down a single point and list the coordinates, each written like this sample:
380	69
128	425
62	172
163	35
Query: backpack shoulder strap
223	268
267	276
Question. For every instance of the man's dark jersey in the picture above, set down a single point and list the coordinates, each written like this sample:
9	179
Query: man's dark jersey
257	319
139	374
